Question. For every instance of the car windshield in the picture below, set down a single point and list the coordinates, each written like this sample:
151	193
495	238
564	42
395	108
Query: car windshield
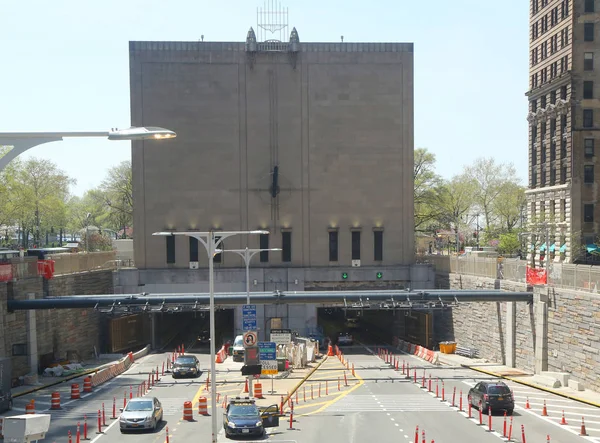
139	406
238	341
185	360
498	389
243	411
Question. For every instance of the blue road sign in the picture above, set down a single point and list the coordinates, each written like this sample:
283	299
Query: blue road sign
267	350
249	311
249	317
249	325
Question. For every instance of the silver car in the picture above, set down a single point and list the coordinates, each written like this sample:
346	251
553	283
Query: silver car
141	413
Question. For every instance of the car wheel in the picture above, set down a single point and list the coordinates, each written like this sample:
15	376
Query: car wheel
509	412
485	409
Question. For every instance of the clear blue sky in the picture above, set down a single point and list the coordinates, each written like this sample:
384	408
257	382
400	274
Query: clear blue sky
65	67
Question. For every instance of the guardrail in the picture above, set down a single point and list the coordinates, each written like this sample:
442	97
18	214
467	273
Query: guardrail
564	275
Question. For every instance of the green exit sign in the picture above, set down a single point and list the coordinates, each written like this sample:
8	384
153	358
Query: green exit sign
379	274
344	275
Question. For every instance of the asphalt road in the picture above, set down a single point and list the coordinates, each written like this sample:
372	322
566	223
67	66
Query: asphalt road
386	406
379	405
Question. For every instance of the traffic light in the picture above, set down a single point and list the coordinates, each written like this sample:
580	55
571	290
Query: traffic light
379	275
344	275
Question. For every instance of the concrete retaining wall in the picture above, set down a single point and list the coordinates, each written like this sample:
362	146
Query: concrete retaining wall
573	322
64	333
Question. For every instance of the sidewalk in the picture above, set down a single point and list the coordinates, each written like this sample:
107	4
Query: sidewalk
89	367
518	376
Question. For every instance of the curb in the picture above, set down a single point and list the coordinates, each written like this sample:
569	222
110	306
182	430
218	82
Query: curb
303	380
532	385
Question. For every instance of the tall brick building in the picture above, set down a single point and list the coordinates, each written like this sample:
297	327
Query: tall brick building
312	141
564	118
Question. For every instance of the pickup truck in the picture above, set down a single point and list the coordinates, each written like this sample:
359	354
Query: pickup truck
345	339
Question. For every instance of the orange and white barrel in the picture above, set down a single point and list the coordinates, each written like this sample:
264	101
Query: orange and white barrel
188	413
258	390
87	384
75	391
202	406
55	401
30	408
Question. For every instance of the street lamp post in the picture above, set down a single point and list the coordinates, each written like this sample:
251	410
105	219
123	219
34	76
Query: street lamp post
247	255
22	141
211	240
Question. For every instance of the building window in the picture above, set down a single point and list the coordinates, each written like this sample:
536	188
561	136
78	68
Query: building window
286	246
553	97
588	61
552	127
563	93
552	211
218	258
543	178
333	245
533	106
588	174
552	176
533	156
355	245
534	177
563	149
588	32
588	89
589	6
19	350
193	249
378	245
170	249
552	151
535	6
563	124
588	213
589	147
563	175
588	118
264	244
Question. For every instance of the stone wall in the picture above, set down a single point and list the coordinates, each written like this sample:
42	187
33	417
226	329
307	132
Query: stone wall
61	332
573	327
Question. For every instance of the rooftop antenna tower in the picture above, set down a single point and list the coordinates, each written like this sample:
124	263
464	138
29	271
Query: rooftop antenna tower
272	22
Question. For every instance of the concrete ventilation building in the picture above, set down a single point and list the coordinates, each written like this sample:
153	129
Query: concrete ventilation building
312	141
564	118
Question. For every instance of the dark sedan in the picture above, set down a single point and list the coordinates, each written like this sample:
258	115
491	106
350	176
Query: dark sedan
494	396
186	365
245	419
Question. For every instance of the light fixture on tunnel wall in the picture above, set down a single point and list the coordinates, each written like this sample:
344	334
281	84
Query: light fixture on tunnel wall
379	275
344	275
255	282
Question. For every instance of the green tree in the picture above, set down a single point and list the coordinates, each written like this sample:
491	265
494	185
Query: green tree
490	178
111	204
426	183
455	199
40	192
509	243
509	206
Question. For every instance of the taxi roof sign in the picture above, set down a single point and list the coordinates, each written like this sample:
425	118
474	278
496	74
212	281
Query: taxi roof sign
242	401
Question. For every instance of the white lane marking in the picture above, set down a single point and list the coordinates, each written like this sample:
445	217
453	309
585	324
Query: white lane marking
547	419
105	430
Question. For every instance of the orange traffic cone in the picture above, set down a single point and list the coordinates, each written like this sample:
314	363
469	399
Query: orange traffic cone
583	431
527	404
246	387
544	410
330	351
563	421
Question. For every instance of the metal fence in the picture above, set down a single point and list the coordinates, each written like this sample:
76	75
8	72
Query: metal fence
564	275
83	262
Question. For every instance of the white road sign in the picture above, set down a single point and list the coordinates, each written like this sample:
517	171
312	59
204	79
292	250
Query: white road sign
281	336
250	339
269	367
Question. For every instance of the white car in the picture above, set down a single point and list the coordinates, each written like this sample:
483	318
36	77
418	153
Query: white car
238	348
345	339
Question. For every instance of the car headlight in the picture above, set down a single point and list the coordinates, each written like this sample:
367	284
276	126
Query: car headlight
259	423
231	425
122	419
148	419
